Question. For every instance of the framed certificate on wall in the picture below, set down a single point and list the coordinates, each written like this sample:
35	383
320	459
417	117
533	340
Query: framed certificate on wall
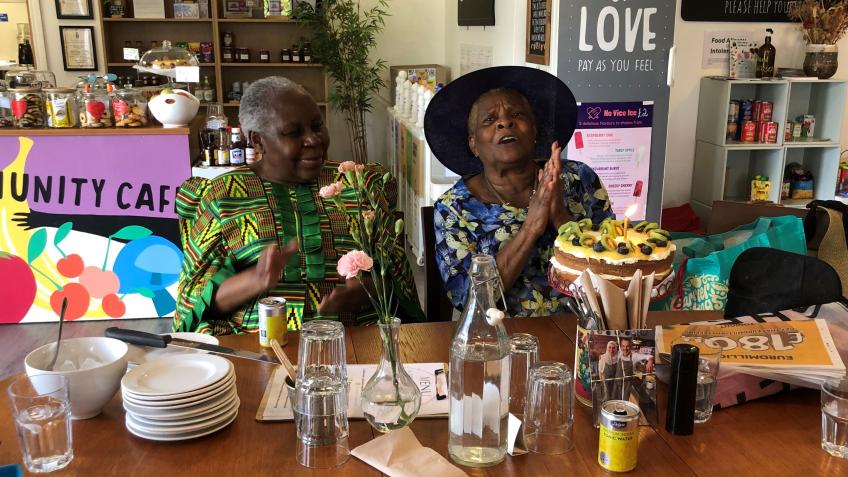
74	9
78	52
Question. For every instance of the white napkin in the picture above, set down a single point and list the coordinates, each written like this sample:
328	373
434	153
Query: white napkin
399	454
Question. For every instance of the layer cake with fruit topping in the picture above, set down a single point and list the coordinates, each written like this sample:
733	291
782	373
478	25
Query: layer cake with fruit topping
612	251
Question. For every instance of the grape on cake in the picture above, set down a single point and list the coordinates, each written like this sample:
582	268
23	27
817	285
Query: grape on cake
611	251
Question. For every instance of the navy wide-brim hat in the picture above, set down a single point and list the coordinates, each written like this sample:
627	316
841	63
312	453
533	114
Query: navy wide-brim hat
446	120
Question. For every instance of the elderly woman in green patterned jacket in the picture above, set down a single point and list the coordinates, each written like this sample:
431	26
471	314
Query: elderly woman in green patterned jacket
263	229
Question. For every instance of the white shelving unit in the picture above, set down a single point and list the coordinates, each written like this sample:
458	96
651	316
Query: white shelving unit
723	169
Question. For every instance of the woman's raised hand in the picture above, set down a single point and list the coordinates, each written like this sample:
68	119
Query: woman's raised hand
271	263
559	213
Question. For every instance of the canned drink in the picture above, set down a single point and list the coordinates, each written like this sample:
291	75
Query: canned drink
733	112
732	131
762	133
755	110
748	132
765	112
771	133
618	445
746	110
272	321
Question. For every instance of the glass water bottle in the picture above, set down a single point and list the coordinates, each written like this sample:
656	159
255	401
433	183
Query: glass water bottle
479	373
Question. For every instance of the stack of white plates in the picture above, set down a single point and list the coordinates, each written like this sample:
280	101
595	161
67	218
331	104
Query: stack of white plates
180	397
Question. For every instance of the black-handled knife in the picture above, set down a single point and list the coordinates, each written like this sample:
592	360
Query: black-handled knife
161	341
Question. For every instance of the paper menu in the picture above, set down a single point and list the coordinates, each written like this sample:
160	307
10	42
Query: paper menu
276	405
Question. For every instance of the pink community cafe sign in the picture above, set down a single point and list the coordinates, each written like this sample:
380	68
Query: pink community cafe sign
90	220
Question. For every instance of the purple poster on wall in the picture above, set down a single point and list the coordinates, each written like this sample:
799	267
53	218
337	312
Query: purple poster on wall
615	140
90	219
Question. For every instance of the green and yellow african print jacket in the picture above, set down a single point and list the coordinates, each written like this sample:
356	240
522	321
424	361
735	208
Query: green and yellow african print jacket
226	222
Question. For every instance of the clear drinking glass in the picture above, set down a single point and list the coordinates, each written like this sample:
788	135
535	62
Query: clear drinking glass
834	406
709	359
320	404
524	353
42	409
548	412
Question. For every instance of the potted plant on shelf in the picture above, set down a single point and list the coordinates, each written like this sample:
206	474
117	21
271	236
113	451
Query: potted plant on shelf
390	398
342	37
824	22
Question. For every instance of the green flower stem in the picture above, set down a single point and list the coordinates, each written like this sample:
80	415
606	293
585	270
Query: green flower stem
106	255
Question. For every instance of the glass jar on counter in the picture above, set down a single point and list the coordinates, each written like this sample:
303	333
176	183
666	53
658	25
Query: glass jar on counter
61	107
227	55
27	106
130	108
7	120
95	110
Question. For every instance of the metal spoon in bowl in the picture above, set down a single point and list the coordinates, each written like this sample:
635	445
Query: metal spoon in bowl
59	339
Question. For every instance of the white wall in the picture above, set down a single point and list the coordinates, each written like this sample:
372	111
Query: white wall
45	31
414	34
689	38
17	12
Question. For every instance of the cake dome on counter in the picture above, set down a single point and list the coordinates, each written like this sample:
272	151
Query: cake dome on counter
163	60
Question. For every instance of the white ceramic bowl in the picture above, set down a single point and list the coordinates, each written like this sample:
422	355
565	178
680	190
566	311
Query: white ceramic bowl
91	388
174	110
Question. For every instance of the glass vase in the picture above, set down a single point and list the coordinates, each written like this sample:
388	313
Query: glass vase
821	61
390	399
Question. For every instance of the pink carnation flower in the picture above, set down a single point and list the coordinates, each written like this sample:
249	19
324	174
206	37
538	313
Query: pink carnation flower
347	166
359	168
354	262
332	190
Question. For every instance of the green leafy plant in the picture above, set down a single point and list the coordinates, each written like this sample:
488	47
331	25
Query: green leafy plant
343	35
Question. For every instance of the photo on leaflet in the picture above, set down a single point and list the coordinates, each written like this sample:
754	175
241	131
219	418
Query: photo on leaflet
622	367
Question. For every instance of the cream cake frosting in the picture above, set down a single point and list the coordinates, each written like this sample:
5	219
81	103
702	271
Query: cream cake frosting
612	251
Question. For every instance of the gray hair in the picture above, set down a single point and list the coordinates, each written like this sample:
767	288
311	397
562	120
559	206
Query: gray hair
256	109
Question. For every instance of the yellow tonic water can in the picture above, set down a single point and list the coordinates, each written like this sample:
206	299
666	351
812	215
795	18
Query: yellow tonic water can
619	441
272	321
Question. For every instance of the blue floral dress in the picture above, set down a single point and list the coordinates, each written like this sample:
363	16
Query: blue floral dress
465	226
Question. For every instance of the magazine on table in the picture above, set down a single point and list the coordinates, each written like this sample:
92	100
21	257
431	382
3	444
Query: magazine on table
794	346
430	377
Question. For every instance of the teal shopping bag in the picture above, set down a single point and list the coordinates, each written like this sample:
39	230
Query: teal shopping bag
703	263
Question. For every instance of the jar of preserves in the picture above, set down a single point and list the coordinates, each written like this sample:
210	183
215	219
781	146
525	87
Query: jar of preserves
27	106
7	120
227	55
61	107
285	55
264	56
243	55
95	110
295	54
306	54
130	108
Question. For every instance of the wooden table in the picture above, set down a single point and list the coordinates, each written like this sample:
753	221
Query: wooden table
773	436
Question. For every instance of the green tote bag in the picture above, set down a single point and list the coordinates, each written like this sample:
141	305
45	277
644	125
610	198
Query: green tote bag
703	264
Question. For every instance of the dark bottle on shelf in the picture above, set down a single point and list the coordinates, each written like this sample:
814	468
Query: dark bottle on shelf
306	54
285	55
227	55
25	53
237	147
765	57
295	53
229	39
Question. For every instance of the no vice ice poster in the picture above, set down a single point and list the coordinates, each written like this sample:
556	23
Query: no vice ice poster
615	140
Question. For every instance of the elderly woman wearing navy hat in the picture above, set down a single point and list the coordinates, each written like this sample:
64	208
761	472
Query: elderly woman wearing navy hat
492	127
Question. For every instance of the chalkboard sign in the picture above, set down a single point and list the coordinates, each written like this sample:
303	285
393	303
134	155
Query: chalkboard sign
538	31
736	10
